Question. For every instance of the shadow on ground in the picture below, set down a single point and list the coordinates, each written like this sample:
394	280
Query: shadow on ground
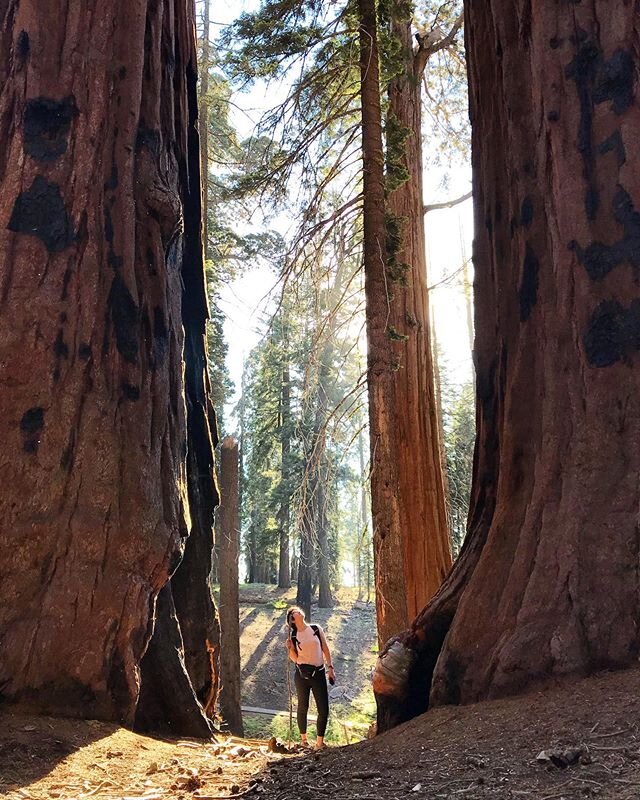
32	747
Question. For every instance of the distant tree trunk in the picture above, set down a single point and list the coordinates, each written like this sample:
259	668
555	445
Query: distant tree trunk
325	597
230	698
550	557
252	551
381	373
468	299
365	541
422	539
284	512
99	225
307	549
440	418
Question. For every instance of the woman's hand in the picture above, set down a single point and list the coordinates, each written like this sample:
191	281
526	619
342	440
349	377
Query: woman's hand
289	644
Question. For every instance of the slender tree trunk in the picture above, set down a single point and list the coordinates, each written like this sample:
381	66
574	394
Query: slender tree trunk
551	553
307	548
230	697
440	420
284	512
423	535
468	298
381	373
325	597
252	551
364	546
98	225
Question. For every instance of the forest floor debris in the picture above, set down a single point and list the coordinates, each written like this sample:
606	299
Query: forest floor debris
488	750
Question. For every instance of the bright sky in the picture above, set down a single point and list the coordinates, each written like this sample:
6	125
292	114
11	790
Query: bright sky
449	235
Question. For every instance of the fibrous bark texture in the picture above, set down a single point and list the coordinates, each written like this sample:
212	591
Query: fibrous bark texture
385	512
99	231
547	582
422	538
230	698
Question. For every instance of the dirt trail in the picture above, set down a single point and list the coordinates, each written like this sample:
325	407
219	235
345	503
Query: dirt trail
476	752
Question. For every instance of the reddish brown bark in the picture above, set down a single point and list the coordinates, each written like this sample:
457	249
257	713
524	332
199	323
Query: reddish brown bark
547	583
423	535
385	512
230	699
99	229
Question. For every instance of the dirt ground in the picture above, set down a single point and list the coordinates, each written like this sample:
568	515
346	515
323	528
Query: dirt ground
576	740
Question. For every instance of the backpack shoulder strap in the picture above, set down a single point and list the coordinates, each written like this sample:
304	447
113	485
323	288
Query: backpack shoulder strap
316	630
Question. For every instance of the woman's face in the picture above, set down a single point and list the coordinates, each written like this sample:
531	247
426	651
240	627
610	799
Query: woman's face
296	617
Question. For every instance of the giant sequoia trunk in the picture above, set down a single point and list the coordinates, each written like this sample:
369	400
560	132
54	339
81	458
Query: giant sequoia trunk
546	583
99	230
385	511
422	539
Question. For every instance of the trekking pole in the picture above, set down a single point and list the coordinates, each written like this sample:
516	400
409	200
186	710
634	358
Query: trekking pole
290	700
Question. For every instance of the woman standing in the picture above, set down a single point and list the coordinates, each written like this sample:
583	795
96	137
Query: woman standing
308	649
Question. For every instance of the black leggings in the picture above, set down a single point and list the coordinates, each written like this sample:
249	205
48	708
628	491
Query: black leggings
317	685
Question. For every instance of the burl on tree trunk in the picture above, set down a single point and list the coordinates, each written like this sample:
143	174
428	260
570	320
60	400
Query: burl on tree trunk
99	231
547	582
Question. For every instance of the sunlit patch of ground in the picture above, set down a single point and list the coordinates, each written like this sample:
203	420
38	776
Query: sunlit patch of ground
42	757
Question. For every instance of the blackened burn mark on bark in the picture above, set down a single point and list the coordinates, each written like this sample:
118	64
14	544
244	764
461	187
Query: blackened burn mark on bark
22	49
125	316
613	333
60	347
65	283
486	390
84	351
582	70
40	211
112	181
114	261
130	391
614	81
614	144
47	123
528	293
526	212
599	258
31	426
597	81
108	224
553	116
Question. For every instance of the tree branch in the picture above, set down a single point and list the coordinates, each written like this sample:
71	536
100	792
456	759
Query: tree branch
446	204
428	47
